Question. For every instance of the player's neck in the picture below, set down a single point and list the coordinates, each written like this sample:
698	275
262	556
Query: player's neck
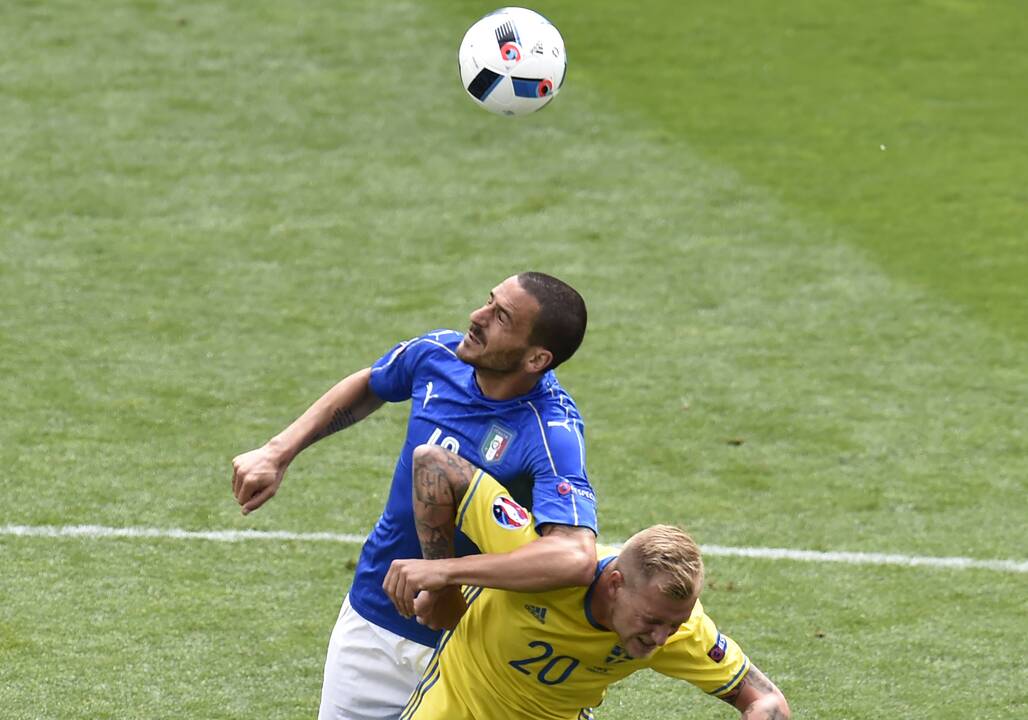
505	386
600	602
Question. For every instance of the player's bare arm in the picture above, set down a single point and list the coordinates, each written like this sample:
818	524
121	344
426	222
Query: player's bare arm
257	474
441	479
562	557
758	698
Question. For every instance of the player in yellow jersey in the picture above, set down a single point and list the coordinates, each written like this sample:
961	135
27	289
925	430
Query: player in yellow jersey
519	653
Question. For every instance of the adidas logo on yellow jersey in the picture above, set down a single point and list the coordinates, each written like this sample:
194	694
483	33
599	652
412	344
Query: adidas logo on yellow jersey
538	612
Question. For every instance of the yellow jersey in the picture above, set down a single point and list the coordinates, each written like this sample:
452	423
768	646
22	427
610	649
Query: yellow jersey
542	655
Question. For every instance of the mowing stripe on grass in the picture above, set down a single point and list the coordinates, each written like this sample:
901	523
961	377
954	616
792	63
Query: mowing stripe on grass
852	558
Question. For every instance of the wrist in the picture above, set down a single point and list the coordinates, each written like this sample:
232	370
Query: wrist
280	451
448	571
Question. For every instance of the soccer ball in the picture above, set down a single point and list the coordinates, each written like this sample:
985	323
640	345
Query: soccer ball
512	61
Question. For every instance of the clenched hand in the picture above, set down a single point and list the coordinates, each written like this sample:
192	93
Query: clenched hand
256	476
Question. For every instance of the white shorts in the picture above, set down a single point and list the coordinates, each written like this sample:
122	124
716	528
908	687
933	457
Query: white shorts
370	672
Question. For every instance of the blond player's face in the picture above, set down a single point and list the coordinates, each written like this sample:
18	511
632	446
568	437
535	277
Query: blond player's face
644	617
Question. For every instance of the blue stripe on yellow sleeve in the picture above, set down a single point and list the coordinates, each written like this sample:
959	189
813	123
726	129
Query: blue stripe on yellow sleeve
734	681
476	480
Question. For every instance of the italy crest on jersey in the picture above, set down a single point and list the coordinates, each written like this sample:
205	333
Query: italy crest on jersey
496	442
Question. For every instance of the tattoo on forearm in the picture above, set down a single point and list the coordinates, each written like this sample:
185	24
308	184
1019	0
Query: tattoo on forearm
435	543
342	418
440	481
434	511
734	693
758	681
763	714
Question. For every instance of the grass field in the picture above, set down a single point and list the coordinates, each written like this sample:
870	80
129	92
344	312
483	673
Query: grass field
800	230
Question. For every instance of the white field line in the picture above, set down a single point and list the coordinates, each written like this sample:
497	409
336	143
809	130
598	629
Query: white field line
852	558
98	531
864	558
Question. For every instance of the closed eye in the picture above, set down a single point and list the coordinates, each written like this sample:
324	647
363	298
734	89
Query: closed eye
501	314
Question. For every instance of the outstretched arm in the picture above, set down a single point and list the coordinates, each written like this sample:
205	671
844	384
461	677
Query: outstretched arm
257	474
562	557
758	698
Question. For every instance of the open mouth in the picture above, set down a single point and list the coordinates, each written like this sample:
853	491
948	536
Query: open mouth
473	337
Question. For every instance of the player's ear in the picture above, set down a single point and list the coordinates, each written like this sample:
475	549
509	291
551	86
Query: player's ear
537	359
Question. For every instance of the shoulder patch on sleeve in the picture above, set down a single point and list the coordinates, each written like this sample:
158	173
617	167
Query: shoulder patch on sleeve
717	653
508	514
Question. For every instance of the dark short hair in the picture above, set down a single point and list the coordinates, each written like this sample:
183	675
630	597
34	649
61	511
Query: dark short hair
560	325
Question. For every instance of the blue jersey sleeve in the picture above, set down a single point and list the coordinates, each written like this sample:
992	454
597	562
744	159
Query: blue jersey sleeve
392	375
561	493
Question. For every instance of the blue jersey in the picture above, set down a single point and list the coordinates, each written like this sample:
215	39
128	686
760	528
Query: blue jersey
532	444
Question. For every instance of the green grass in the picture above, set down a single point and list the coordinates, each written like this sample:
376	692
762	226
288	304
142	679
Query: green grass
801	97
212	211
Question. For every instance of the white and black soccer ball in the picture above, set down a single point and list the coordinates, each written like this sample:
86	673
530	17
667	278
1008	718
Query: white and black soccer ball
512	61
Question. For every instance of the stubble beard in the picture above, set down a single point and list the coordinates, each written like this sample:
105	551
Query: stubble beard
506	363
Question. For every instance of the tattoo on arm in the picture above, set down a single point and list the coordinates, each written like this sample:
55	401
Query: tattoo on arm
342	418
735	692
440	481
761	714
459	473
759	680
756	680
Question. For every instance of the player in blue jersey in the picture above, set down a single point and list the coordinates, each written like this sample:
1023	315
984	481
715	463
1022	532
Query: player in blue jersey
491	397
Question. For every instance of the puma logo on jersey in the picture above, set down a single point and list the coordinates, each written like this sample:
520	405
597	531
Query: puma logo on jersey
428	395
538	612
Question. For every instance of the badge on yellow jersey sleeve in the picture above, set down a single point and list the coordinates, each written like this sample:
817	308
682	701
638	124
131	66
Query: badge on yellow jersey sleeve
492	519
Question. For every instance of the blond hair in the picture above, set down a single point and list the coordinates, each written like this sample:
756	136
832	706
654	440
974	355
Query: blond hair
667	552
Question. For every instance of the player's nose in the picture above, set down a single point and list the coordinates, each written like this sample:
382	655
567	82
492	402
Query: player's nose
479	315
660	636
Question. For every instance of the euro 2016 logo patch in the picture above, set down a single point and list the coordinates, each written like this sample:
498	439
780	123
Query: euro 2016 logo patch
496	443
508	514
717	653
